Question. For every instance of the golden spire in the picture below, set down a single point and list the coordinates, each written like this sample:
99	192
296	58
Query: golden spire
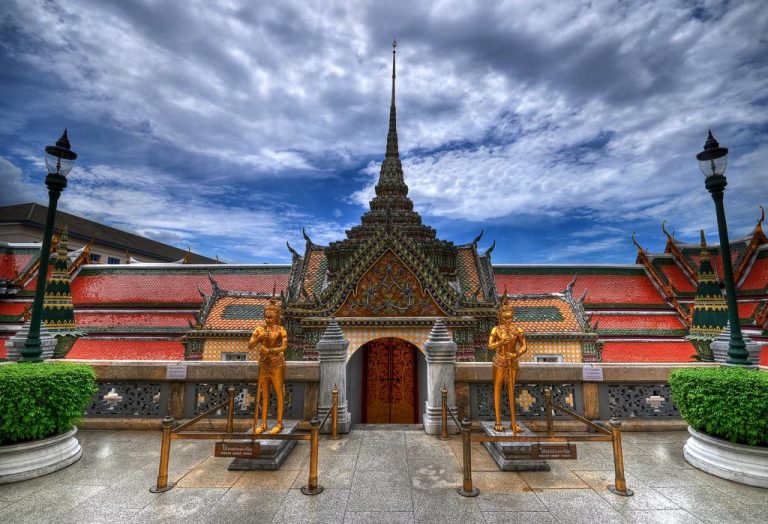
392	149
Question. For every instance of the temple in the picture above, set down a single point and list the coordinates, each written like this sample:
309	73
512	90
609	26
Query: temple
386	283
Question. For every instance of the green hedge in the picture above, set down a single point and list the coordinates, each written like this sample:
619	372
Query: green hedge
729	403
39	400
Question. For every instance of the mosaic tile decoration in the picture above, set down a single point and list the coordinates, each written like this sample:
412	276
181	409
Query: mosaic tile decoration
570	350
213	348
358	336
236	313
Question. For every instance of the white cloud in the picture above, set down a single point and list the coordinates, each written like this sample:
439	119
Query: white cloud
506	110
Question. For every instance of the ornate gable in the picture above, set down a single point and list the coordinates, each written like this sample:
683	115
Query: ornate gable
389	288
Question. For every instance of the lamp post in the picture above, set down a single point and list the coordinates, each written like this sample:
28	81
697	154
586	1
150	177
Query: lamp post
712	162
59	160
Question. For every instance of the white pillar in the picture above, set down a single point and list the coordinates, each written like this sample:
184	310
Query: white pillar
332	354
441	371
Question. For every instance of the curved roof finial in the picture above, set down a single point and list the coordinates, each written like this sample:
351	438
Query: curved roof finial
664	229
490	249
634	241
477	238
762	216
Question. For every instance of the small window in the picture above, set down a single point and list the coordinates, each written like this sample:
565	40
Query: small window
233	356
113	260
96	258
548	358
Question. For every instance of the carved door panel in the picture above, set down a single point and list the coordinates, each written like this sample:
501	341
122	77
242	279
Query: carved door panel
390	382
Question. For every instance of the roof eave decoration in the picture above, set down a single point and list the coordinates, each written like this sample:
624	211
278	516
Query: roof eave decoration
665	289
758	239
681	258
582	317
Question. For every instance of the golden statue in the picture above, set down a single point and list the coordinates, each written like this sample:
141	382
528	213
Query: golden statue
272	340
509	343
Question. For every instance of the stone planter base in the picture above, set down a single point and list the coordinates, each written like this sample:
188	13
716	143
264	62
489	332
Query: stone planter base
736	462
33	459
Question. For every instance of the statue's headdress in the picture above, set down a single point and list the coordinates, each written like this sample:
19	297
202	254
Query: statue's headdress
505	305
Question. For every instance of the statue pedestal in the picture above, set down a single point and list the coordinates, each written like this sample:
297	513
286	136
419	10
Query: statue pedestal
513	456
272	452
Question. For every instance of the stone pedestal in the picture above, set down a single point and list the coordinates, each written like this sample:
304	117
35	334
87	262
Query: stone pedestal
440	351
720	346
15	344
513	456
36	458
272	452
332	354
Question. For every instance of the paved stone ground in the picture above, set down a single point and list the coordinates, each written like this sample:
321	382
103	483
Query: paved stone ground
377	476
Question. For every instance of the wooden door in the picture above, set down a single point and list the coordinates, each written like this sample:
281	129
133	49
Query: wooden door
390	387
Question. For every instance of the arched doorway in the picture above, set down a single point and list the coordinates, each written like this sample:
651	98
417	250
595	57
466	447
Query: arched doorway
390	387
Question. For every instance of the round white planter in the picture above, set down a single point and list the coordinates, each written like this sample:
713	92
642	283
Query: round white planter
736	462
38	457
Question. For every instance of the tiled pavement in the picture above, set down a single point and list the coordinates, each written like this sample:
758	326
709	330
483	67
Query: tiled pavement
377	476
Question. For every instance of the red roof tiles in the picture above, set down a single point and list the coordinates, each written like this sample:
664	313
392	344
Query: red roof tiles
98	349
2	348
149	319
677	278
12	263
747	309
602	289
647	351
13	309
170	288
757	278
638	322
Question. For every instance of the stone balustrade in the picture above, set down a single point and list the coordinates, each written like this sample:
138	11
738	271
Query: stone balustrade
137	394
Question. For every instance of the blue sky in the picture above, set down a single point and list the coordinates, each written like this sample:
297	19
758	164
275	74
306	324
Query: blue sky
557	128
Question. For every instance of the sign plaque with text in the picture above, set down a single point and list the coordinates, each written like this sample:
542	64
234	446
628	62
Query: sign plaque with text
243	449
553	452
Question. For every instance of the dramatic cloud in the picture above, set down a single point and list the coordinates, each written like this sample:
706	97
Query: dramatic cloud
559	127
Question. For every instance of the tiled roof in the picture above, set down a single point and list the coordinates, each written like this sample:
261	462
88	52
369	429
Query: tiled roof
747	309
11	264
647	351
13	309
2	348
314	272
757	279
148	319
236	313
676	277
544	315
99	349
618	324
32	284
175	286
611	288
467	271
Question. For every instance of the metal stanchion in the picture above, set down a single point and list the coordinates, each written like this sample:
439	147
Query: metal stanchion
165	455
444	415
335	413
548	408
312	488
231	409
620	488
466	489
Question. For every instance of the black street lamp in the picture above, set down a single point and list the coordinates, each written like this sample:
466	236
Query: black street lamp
59	160
712	162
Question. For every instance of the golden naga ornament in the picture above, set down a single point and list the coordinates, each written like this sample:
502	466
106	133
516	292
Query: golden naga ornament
271	340
509	343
